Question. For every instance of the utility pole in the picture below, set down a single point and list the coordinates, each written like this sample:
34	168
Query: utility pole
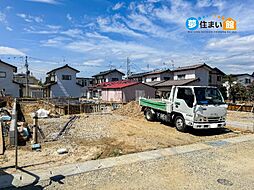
128	70
27	75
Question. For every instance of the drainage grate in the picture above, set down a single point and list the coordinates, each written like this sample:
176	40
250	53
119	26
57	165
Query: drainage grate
225	182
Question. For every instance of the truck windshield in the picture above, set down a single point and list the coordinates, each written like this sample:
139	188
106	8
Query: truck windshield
206	95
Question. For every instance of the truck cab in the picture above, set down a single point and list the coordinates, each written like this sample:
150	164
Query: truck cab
200	107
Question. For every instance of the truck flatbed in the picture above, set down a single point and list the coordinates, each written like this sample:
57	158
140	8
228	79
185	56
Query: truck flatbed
157	104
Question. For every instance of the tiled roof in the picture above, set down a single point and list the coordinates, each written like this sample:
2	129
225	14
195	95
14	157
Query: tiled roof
190	67
65	66
15	68
107	72
176	82
153	83
117	84
135	75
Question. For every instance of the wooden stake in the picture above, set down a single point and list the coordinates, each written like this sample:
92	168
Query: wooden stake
1	139
35	129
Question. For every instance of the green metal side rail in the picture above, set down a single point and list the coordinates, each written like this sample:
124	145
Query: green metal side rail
158	105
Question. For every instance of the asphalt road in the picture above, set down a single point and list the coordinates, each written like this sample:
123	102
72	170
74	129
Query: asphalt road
229	166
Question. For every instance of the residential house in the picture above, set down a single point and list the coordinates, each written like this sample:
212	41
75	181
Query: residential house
207	75
108	76
86	83
7	85
244	79
62	82
102	77
163	88
156	75
34	89
125	91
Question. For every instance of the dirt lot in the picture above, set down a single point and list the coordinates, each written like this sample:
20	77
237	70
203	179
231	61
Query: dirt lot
245	117
104	135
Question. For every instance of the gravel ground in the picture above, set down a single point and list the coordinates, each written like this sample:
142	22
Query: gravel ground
107	135
244	117
228	167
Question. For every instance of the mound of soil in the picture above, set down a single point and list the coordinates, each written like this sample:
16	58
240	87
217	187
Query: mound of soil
131	109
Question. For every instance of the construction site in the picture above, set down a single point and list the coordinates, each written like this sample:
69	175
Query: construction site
62	131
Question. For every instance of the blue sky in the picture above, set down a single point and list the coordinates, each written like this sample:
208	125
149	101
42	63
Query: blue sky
95	35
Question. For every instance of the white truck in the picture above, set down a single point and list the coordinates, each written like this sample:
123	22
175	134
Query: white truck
199	107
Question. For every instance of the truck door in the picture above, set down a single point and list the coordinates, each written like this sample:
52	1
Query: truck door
183	103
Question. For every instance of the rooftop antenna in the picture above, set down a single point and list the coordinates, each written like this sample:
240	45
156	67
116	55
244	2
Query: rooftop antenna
110	65
172	64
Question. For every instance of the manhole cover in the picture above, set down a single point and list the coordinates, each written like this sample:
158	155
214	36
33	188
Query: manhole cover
225	182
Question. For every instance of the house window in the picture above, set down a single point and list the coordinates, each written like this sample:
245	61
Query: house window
114	79
218	78
2	74
179	77
247	81
66	77
154	78
210	78
166	78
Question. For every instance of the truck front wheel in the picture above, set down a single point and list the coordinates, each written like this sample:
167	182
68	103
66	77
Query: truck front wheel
180	124
149	115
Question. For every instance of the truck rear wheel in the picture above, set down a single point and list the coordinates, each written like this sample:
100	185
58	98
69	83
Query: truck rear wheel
149	115
180	124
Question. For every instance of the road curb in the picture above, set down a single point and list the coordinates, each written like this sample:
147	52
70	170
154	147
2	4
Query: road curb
24	178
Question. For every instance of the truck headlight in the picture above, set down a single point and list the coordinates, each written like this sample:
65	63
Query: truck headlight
201	119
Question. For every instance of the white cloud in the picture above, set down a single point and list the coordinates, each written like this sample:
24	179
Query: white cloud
210	3
73	33
68	16
45	1
29	18
93	62
234	43
55	42
115	26
10	51
118	6
54	27
3	18
9	28
48	29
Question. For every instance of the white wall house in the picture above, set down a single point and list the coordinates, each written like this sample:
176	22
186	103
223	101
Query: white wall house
207	76
86	84
62	82
153	76
34	89
108	76
7	84
244	79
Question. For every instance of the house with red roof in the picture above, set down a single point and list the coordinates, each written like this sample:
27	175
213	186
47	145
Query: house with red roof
125	91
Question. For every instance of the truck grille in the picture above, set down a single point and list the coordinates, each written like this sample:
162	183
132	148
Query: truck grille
213	119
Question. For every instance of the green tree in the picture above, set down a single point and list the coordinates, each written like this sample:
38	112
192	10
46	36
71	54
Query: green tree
239	92
250	90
